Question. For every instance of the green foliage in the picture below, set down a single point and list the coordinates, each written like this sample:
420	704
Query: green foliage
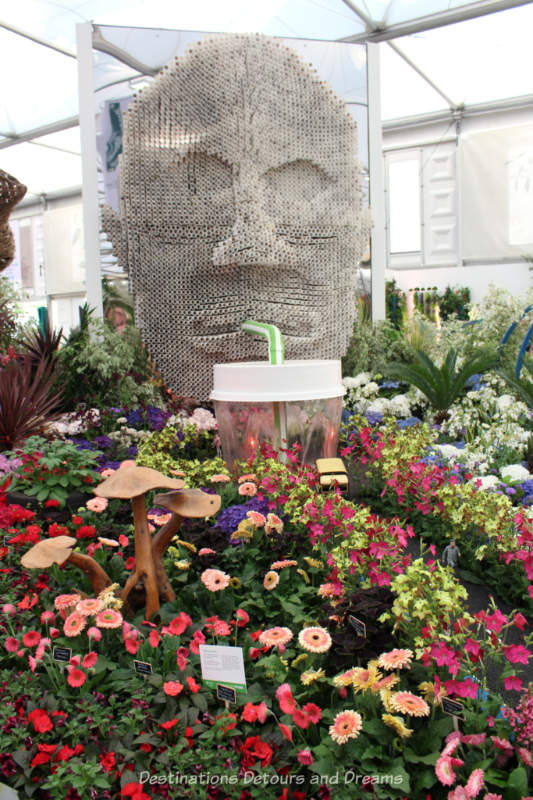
54	470
372	345
101	367
442	385
395	304
168	449
11	326
454	300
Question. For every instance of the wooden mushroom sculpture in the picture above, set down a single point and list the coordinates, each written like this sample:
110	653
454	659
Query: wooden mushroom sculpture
132	483
58	550
183	503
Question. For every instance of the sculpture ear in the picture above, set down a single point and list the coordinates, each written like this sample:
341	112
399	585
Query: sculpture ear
11	193
114	227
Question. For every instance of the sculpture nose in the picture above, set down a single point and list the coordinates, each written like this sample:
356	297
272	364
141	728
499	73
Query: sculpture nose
253	239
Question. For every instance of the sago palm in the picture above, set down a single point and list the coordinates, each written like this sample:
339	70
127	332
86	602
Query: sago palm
442	385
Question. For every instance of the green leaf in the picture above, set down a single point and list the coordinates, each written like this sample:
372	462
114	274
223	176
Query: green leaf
517	787
414	758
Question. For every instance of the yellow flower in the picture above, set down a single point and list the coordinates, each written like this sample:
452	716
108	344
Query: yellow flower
313	562
187	545
299	659
397	724
235	583
385	696
365	678
245	530
428	692
183	564
304	574
311	676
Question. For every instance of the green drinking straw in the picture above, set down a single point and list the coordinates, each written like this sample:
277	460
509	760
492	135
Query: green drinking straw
276	352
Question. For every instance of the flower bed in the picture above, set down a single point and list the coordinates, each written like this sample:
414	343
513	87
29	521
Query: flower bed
288	574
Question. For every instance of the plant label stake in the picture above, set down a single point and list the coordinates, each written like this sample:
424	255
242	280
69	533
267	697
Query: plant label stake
62	654
227	694
453	707
142	667
358	626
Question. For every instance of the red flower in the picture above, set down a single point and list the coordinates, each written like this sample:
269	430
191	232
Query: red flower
134	790
76	677
172	688
193	685
130	562
40	720
300	718
255	749
27	602
513	683
58	530
77	520
286	731
31	639
85	532
314	712
285	699
517	653
179	623
131	643
242	617
154	638
65	753
52	503
169	724
89	660
107	761
41	758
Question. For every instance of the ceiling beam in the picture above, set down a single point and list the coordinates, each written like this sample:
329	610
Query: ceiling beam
35	133
36	39
101	44
379	32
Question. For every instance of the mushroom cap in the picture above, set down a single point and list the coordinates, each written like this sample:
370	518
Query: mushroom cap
48	551
130	482
189	502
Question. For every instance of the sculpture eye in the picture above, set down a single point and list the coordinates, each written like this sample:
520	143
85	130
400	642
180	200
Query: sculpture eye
293	192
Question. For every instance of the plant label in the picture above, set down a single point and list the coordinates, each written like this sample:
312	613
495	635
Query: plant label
142	667
62	654
226	693
453	707
358	626
222	664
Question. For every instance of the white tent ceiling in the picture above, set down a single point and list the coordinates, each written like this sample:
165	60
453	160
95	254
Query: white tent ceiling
485	57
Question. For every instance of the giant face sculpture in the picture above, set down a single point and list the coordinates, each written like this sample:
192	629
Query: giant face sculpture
241	199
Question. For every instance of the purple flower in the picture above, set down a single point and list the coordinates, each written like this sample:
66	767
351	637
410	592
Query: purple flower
228	519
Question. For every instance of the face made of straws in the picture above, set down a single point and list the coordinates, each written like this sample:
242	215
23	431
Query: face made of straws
240	195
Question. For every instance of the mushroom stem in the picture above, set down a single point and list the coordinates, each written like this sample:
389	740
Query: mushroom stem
98	577
144	565
160	542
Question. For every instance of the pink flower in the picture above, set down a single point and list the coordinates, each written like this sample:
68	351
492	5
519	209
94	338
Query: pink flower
520	621
194	687
76	677
126	464
444	771
248	489
89	660
305	757
474	783
9	609
214	579
475	738
285	699
154	638
286	731
512	683
206	551
94	633
242	617
47	616
97	504
517	653
495	621
74	624
11	644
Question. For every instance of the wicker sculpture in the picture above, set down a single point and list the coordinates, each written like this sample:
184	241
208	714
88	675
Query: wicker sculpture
11	193
240	199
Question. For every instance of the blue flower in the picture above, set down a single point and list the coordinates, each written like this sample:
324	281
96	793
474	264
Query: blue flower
228	519
373	417
102	442
527	487
389	384
408	423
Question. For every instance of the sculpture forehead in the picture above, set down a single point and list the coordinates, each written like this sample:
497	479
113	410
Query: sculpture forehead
236	97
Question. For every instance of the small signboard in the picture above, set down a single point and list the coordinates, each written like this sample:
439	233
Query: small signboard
142	667
224	665
358	626
226	693
62	654
453	707
7	540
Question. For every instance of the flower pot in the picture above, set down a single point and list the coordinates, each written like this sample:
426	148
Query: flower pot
295	403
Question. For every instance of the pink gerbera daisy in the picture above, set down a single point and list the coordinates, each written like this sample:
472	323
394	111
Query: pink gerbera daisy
89	607
11	644
76	677
275	637
206	551
74	624
444	771
66	600
109	618
256	518
395	659
273	523
31	639
408	703
248	489
220	478
89	660
314	640
282	564
97	504
346	725
214	579
474	783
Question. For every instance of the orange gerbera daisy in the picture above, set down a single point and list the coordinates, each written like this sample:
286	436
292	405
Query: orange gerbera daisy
395	659
346	725
408	703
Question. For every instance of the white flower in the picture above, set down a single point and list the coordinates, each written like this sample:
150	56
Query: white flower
487	481
504	402
449	451
516	473
380	405
399	406
203	419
